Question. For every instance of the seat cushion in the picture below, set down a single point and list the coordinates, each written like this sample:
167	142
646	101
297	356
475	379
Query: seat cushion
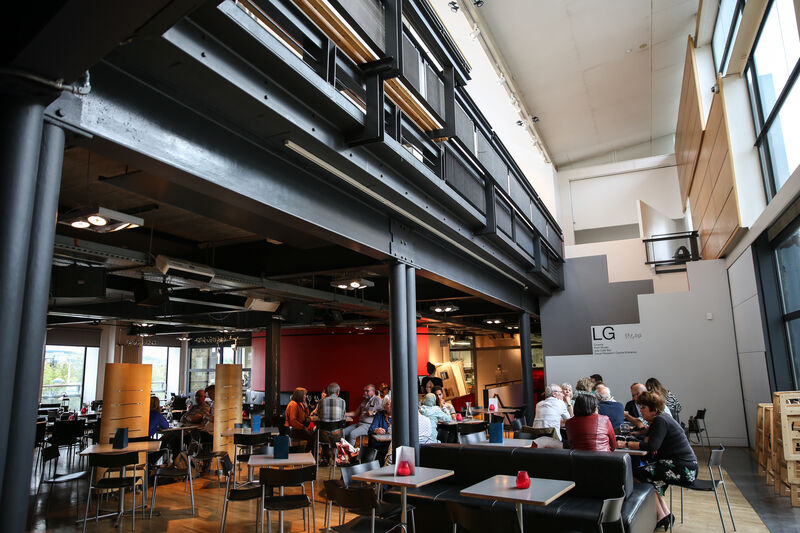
286	503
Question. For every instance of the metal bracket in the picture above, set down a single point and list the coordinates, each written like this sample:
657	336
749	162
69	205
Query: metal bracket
400	244
375	123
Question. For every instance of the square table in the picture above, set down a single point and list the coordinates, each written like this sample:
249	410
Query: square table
181	429
519	443
630	451
249	431
504	488
294	459
422	476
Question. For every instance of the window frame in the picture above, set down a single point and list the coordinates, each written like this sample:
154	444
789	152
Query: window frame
726	51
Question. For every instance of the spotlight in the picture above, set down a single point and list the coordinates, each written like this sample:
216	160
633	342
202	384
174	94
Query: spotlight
184	337
444	308
100	219
453	6
477	3
80	224
493	321
97	220
349	284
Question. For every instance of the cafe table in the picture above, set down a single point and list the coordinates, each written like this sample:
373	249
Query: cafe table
294	459
630	451
422	476
249	431
181	429
504	488
510	443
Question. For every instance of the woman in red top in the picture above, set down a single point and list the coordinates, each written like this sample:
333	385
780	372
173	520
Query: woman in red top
588	430
297	418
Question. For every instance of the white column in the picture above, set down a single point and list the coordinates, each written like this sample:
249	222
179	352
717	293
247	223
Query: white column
183	366
108	344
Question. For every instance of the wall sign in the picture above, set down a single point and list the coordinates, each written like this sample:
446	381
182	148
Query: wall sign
616	339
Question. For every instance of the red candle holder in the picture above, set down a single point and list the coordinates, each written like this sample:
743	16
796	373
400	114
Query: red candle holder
491	407
523	480
459	418
403	468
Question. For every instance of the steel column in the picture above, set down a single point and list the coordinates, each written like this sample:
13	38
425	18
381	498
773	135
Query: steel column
411	383
527	364
398	338
32	331
20	142
272	370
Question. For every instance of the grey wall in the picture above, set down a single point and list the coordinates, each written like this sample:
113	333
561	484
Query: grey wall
695	357
749	338
589	300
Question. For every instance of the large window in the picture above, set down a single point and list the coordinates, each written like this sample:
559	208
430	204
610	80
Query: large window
725	29
463	349
165	363
62	375
203	365
771	74
787	258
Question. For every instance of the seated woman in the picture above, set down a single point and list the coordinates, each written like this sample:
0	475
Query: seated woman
588	430
298	419
673	405
676	462
433	412
157	420
381	425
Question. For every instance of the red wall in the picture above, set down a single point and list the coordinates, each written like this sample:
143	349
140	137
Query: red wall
314	357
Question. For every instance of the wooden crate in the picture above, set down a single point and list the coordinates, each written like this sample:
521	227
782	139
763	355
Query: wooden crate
453	380
769	465
785	442
763	427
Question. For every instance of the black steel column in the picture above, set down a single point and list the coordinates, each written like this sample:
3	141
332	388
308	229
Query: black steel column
411	383
32	332
20	141
527	364
398	339
272	371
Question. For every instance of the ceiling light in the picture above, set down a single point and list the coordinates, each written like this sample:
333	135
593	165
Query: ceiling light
100	219
143	324
493	321
512	327
477	3
444	308
364	327
453	6
351	284
184	338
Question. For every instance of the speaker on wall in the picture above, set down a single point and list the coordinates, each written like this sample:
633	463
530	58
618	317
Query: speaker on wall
296	312
151	294
78	282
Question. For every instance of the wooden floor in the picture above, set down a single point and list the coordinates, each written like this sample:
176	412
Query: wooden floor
173	506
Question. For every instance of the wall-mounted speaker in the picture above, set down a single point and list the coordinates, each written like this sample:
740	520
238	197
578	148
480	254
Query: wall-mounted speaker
150	294
296	312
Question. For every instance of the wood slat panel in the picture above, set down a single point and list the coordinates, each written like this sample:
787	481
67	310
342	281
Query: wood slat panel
227	405
691	123
126	400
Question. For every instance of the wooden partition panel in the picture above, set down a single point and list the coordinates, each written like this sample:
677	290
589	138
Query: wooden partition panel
126	400
691	123
713	199
227	405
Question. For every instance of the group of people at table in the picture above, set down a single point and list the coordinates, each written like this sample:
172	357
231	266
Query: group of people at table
591	419
587	419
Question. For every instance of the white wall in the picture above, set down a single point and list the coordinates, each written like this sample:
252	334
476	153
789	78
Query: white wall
659	146
625	261
694	357
749	338
608	195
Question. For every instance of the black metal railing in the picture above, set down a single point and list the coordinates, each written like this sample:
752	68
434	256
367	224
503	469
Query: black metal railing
669	252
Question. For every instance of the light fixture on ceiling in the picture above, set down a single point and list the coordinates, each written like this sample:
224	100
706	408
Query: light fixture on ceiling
100	219
444	308
512	327
351	284
453	6
493	321
143	324
477	3
364	327
184	337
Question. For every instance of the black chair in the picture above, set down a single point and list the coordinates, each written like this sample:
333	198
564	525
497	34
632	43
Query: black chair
96	404
384	510
39	442
331	430
49	455
525	435
272	478
611	513
201	452
695	429
170	472
469	519
708	485
68	434
115	461
364	502
245	446
239	495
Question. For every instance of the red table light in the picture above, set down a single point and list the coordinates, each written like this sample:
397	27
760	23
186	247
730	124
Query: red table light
491	407
404	469
523	480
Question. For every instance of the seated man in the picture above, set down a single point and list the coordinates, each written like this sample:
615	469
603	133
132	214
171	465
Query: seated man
198	411
370	404
552	412
632	413
607	406
330	408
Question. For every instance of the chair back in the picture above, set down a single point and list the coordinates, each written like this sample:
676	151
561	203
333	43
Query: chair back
65	431
612	509
349	471
361	498
367	454
701	414
41	430
516	424
274	477
471	519
716	457
251	440
472	438
115	460
49	453
525	435
227	465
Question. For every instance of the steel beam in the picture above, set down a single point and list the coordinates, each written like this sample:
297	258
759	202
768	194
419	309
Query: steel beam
398	339
411	382
272	370
527	364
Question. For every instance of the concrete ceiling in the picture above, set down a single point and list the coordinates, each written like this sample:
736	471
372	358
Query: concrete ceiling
600	75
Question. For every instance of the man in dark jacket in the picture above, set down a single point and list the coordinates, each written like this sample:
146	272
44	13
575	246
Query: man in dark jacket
614	410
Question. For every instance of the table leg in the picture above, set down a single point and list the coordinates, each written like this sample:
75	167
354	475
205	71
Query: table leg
403	499
280	515
519	517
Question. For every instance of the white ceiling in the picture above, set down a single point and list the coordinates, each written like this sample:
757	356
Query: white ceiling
569	60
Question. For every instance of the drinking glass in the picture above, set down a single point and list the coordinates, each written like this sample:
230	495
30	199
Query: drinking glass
469	410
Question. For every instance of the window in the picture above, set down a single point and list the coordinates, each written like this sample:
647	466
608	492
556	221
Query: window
463	350
165	363
203	365
725	29
787	258
62	375
245	357
771	73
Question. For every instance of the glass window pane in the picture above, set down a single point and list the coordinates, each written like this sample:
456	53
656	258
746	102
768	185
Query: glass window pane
776	52
197	381
227	356
727	9
246	356
199	358
793	332
787	254
157	356
90	375
62	375
783	137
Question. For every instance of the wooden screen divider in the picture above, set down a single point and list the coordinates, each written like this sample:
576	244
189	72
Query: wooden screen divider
331	23
227	405
691	124
126	400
